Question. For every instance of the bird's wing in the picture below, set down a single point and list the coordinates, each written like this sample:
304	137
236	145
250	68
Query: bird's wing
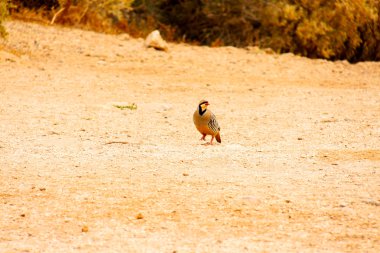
213	124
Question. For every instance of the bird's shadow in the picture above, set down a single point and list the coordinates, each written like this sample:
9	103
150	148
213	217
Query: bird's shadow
207	144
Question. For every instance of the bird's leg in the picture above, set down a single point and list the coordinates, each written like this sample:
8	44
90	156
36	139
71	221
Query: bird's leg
203	137
212	138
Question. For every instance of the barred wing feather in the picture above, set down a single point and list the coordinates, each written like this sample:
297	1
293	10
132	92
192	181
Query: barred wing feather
213	124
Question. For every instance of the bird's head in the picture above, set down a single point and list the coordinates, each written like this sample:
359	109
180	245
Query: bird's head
203	104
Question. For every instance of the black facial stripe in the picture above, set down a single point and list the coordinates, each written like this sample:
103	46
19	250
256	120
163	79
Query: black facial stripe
200	110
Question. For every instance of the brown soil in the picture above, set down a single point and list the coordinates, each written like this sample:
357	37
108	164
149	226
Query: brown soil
297	170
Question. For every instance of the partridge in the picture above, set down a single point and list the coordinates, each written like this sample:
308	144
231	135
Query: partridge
205	122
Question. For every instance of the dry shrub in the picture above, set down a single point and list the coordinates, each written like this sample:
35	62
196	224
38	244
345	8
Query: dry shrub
323	28
3	15
33	10
227	22
99	15
330	29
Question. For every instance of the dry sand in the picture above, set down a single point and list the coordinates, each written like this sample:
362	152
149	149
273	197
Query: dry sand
298	169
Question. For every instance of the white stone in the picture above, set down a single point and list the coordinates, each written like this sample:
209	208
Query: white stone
155	40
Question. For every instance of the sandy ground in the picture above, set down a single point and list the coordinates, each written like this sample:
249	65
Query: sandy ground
298	169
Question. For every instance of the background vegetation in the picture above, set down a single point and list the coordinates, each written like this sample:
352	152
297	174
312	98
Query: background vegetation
329	29
3	15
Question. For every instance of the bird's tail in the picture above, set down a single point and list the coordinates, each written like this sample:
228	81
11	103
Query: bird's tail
217	137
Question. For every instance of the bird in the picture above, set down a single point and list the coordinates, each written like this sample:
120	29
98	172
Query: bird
206	123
